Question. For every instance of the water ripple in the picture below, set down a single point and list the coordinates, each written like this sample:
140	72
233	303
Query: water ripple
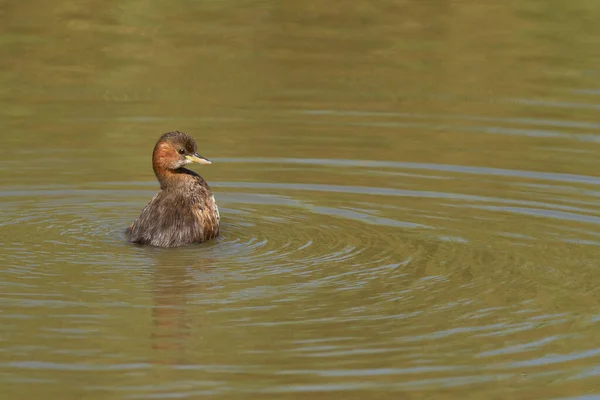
387	257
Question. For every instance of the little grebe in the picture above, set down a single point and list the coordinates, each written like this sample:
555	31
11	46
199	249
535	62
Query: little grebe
184	210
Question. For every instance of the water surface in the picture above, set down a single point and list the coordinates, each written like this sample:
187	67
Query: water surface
409	195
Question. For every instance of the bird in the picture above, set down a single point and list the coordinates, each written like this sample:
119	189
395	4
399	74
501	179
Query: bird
184	210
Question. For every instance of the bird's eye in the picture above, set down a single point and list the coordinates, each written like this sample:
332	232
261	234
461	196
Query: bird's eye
181	151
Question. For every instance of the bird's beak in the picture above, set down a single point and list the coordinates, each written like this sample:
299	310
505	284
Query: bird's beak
197	158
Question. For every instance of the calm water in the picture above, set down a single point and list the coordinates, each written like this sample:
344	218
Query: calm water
410	197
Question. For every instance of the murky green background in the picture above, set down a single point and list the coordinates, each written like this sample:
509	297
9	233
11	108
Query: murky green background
409	195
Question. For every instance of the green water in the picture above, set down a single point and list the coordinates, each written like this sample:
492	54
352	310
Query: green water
409	193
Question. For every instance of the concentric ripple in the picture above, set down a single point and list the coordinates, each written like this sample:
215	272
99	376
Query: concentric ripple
279	227
376	260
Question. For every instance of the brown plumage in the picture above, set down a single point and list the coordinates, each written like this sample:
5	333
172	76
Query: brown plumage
184	210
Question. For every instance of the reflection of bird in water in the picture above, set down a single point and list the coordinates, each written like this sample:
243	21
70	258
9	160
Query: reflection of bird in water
184	211
174	281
